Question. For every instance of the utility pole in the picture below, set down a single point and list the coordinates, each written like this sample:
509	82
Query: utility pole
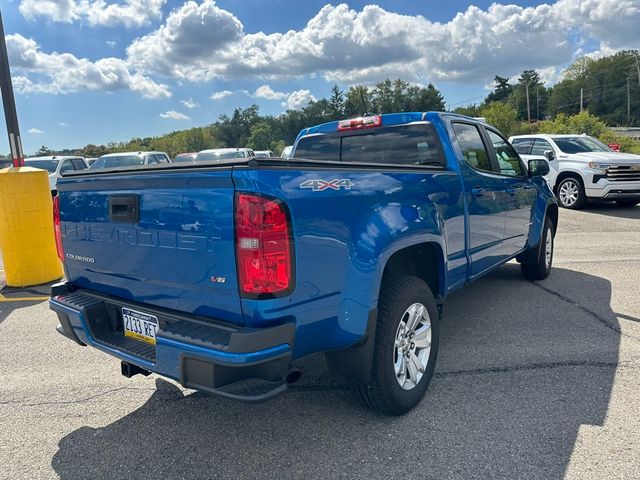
537	103
581	96
628	102
526	86
9	103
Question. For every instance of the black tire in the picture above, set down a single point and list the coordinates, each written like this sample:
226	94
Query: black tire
383	392
627	203
541	267
572	184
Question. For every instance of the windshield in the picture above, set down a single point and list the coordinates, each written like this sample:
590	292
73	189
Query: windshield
580	145
184	157
118	161
49	165
202	156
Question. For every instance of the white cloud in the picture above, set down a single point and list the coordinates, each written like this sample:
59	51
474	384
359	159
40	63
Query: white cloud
63	124
110	43
266	92
61	73
35	131
298	100
128	13
201	42
192	37
189	103
220	95
173	115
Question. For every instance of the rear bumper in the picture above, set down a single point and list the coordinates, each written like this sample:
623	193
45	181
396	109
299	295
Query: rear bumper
241	363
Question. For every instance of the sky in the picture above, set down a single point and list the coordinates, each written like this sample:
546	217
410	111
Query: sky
95	71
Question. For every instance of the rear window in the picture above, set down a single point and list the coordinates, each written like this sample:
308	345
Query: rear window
399	145
118	161
319	147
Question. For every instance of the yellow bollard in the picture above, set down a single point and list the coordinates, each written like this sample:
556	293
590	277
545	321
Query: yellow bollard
26	227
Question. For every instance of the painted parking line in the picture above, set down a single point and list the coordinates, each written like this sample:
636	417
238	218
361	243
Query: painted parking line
22	299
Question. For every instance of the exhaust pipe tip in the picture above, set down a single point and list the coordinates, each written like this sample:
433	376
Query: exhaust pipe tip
129	370
293	376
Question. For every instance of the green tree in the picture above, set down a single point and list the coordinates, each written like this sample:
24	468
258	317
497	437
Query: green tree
538	96
43	151
358	101
501	90
261	136
502	116
336	102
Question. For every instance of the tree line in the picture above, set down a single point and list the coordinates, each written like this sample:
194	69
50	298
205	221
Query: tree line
607	88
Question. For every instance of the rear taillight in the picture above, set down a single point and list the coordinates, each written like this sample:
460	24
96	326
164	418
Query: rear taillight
264	248
56	227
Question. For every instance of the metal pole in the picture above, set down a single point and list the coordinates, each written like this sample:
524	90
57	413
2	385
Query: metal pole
628	102
526	86
9	103
581	91
537	103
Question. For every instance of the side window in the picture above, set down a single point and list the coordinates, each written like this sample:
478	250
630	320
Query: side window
540	146
508	159
151	160
319	147
522	145
161	158
79	164
472	146
67	166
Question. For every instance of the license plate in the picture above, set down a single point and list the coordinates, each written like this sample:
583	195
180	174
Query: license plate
140	325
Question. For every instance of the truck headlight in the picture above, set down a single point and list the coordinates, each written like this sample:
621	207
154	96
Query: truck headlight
599	168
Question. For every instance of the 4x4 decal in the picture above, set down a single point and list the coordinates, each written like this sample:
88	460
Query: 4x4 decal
335	184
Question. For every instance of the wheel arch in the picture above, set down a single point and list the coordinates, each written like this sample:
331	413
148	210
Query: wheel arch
424	260
567	174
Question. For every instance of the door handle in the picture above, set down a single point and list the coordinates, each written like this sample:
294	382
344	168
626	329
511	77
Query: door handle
124	208
477	191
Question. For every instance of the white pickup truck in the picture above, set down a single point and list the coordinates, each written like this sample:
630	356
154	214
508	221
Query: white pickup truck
583	168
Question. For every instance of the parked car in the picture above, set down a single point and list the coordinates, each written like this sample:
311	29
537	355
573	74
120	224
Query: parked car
221	277
56	166
185	158
90	161
263	153
582	168
286	152
5	162
223	154
130	159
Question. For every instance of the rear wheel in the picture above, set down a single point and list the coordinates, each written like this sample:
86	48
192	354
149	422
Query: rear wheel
627	203
406	346
541	267
571	193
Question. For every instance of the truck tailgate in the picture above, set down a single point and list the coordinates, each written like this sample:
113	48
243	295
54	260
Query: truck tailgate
163	238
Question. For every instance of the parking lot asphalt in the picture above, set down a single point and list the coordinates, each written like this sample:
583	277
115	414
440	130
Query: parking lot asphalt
534	380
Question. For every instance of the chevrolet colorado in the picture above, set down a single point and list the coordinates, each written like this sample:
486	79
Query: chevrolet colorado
350	248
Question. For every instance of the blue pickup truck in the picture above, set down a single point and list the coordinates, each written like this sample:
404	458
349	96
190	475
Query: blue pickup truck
221	275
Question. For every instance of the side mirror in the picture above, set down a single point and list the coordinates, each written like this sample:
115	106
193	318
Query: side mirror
538	168
550	155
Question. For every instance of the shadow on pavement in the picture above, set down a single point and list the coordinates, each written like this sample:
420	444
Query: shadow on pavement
12	298
522	366
613	210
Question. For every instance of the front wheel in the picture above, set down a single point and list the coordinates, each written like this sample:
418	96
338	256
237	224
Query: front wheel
541	267
405	348
571	193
